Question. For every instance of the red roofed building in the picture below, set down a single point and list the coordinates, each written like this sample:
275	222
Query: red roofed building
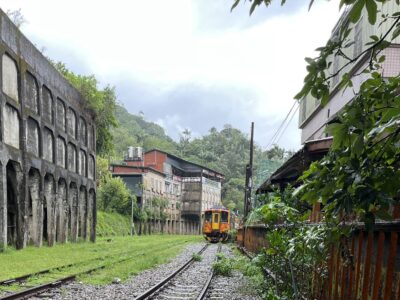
189	188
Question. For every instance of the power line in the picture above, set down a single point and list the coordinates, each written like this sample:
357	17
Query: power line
281	125
287	125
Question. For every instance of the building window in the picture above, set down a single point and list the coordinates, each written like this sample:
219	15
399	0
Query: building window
358	39
11	126
60	114
61	152
32	139
47	105
82	131
71	157
335	70
10	77
71	122
31	93
91	167
82	163
48	142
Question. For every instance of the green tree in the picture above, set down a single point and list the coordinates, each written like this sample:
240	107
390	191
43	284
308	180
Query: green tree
184	141
114	196
103	174
102	101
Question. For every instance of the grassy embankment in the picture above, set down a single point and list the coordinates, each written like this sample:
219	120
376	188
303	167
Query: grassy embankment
112	224
140	253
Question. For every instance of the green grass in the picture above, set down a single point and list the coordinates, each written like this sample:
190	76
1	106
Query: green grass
112	224
142	253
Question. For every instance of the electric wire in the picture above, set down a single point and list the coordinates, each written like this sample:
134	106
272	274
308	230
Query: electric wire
279	131
287	124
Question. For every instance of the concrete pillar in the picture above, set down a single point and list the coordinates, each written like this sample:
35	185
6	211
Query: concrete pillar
92	214
82	213
35	214
73	203
50	206
3	208
62	210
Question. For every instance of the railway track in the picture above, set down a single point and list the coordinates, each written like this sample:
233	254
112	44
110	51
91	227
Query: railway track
39	289
23	278
190	281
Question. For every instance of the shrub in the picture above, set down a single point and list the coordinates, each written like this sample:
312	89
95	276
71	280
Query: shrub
223	266
197	257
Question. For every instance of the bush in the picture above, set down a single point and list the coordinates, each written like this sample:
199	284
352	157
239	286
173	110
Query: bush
223	266
114	196
197	257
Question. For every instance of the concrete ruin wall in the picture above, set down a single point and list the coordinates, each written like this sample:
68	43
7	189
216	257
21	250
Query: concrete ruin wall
47	150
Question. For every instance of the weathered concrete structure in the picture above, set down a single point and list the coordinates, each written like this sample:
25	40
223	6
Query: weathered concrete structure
47	149
189	188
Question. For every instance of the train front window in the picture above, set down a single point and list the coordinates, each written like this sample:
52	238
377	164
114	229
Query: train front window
224	217
208	216
216	218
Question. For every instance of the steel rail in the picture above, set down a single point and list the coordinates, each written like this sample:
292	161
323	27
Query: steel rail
26	276
24	294
156	288
203	292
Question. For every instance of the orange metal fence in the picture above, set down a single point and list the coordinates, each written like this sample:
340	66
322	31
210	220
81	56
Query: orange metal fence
368	268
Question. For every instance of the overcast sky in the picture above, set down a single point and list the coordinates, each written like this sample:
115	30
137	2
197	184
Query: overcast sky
188	63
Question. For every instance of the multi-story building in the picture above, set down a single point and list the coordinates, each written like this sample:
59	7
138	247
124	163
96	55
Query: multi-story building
313	116
189	188
47	149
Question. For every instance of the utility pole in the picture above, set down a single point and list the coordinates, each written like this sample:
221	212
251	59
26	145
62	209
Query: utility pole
249	179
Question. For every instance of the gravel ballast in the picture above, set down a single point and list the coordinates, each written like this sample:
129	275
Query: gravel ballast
227	287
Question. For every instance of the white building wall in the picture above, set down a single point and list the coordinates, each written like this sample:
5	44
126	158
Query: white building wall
312	117
314	127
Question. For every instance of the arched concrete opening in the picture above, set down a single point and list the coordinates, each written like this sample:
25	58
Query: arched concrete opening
35	209
62	212
12	205
82	213
73	204
49	210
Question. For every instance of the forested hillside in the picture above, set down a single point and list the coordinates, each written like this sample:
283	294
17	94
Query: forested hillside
226	151
133	130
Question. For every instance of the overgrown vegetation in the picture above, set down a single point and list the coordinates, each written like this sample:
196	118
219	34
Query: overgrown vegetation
358	179
252	270
197	257
112	224
223	266
102	101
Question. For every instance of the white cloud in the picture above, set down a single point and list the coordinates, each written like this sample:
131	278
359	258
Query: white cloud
161	44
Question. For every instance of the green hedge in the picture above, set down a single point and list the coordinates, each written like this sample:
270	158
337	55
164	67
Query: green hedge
112	224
